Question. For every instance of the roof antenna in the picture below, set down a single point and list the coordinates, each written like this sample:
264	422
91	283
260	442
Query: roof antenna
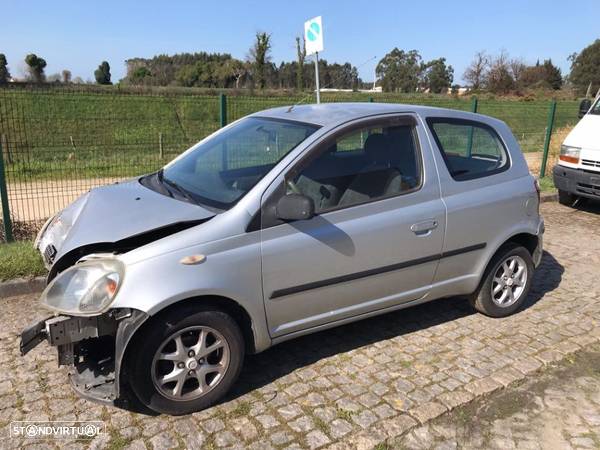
302	100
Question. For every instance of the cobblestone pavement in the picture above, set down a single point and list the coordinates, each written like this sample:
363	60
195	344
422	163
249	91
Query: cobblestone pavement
559	409
355	386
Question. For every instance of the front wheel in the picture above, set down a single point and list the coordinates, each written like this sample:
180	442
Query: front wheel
506	282
565	198
186	360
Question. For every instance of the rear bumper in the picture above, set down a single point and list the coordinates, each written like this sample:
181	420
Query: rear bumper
539	250
577	181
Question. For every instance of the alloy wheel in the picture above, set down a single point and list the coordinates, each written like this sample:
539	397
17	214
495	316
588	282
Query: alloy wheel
509	281
190	363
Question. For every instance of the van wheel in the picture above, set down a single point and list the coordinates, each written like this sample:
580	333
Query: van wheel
566	198
186	360
506	282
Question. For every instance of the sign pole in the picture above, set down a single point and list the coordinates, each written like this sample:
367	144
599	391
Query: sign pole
313	44
317	77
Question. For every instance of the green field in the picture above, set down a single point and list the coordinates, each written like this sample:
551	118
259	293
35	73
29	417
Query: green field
57	133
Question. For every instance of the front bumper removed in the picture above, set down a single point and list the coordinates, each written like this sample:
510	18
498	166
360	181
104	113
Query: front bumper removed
92	346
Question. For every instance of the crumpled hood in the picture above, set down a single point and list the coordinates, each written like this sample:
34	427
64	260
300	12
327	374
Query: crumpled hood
119	211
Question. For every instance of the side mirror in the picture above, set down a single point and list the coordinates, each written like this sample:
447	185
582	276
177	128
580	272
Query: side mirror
295	207
584	107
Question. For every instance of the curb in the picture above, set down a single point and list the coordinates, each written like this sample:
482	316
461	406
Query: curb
22	286
549	197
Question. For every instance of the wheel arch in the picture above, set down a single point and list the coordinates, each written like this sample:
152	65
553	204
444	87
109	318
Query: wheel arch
214	302
528	240
217	303
525	239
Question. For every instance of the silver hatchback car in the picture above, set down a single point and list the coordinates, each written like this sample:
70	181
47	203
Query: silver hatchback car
286	222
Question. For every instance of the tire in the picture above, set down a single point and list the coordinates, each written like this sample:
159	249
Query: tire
501	304
565	198
158	351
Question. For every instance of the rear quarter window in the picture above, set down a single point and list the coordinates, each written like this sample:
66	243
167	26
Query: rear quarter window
470	149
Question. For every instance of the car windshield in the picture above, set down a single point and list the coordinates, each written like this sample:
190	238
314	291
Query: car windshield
221	169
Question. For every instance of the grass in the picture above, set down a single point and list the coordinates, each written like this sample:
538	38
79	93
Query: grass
343	414
18	260
547	184
77	133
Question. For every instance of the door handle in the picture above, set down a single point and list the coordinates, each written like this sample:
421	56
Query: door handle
424	227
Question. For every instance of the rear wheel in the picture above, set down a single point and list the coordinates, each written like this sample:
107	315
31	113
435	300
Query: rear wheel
186	360
506	282
566	198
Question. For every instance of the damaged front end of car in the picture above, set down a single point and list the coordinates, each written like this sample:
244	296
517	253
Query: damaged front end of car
90	337
92	346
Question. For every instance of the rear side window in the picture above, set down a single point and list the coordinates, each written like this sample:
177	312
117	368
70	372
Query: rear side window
470	149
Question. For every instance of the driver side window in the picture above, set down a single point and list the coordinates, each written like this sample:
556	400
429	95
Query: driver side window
360	166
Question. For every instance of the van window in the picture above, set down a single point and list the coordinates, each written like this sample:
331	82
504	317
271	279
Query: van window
596	108
470	149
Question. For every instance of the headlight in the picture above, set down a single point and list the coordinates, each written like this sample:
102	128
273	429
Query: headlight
85	289
569	154
56	229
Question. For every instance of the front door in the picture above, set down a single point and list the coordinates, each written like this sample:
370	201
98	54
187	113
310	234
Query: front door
377	235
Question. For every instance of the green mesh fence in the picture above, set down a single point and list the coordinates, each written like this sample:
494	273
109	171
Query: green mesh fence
58	142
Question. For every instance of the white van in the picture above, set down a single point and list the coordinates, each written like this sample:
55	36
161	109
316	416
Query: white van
577	174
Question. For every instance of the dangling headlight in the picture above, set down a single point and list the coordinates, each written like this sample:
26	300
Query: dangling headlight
85	289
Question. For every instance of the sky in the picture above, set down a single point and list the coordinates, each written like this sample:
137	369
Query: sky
79	35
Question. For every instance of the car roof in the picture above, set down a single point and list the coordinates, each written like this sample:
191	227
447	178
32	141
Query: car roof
331	114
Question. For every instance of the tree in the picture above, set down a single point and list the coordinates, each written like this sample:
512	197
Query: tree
546	76
553	75
301	52
400	71
260	57
141	75
437	77
36	66
4	74
476	73
102	73
229	73
584	68
517	68
66	76
499	78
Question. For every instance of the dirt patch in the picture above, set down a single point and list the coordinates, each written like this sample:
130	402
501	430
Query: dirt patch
527	405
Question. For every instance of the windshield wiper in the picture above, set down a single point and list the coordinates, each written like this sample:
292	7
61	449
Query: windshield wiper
181	191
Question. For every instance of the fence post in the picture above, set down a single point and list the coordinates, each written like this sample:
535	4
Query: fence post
223	109
474	104
549	127
8	234
160	146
